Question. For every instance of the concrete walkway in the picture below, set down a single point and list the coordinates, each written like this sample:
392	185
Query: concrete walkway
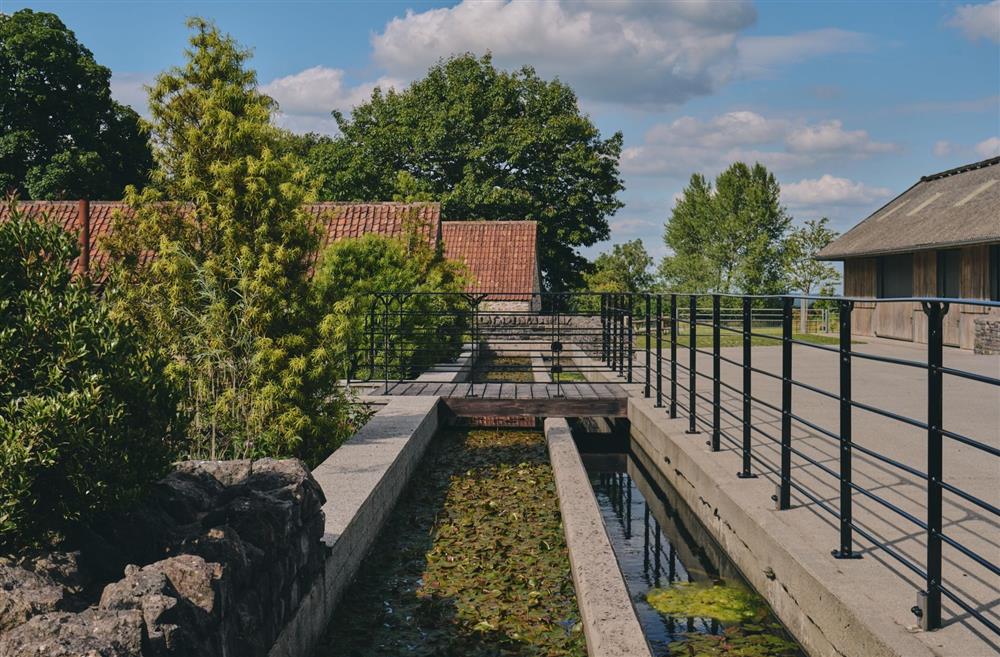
970	408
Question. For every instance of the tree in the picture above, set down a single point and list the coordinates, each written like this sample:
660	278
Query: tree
487	144
61	134
625	269
805	273
87	419
227	294
730	238
429	328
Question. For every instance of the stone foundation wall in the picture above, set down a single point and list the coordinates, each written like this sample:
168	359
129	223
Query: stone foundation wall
214	563
987	336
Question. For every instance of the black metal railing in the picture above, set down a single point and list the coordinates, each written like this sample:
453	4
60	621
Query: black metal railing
706	409
697	357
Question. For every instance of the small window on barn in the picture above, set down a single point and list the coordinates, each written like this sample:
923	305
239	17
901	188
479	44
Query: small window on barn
949	273
995	272
895	276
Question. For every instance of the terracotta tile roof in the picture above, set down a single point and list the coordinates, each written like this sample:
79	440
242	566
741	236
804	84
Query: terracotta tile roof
340	219
502	256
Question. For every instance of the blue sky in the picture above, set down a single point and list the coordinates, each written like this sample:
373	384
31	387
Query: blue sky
848	102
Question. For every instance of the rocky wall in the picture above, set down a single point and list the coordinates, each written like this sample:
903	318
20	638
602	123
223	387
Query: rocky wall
214	563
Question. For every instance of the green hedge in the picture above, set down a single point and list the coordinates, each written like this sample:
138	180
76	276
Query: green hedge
87	420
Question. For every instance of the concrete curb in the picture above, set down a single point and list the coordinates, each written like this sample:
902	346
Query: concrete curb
610	623
362	481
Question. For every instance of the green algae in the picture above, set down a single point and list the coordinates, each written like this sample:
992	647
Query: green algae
736	641
721	602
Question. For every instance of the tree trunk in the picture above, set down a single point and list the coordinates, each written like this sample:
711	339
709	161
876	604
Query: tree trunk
804	315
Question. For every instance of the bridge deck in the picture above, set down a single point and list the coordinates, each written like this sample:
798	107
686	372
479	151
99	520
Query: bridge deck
575	399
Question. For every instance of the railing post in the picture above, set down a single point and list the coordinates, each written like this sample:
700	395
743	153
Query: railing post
631	307
785	487
845	551
659	351
604	331
621	335
673	356
649	346
747	471
692	364
613	331
716	373
930	619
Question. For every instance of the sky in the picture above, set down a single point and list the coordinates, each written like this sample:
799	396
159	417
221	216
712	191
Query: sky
849	103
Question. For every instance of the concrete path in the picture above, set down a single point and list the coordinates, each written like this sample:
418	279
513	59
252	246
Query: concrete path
970	408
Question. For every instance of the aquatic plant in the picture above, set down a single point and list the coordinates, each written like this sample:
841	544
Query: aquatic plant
472	562
722	602
737	641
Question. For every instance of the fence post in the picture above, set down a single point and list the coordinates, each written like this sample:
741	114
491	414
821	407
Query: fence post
716	372
631	346
692	365
845	550
785	487
659	351
747	471
930	619
613	331
649	346
673	356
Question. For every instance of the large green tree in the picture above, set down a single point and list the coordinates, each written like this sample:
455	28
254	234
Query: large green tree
626	268
730	237
227	294
61	133
487	144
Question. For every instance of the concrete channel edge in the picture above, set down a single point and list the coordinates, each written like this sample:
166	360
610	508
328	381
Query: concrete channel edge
609	619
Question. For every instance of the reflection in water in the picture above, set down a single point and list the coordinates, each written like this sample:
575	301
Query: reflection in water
656	548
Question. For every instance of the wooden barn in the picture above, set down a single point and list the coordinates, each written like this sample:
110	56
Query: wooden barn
939	238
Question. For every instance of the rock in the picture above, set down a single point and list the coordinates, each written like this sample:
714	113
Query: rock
227	473
92	633
24	594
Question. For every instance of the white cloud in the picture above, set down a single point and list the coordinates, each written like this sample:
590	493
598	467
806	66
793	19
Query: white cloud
944	148
130	89
760	54
691	144
830	190
830	137
643	54
976	22
306	98
988	147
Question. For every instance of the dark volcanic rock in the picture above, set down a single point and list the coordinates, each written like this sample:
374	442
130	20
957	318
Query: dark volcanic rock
24	594
91	633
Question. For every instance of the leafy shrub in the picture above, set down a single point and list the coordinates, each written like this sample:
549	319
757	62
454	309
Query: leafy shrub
423	328
87	419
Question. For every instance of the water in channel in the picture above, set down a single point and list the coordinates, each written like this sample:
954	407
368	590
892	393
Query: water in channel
705	606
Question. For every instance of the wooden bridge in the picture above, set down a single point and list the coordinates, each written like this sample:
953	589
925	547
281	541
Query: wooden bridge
572	399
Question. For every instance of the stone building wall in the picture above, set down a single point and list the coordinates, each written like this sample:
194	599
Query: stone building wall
987	336
213	564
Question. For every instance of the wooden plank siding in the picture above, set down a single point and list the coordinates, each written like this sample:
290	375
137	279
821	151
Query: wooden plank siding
907	321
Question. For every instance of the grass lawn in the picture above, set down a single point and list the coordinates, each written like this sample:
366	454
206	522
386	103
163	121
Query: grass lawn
472	561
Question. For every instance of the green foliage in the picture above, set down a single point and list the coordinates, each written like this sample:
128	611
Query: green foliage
805	273
736	642
487	144
721	602
427	328
473	561
730	238
61	134
87	419
227	295
625	269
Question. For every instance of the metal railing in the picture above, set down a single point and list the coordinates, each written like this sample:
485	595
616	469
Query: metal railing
655	340
658	319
